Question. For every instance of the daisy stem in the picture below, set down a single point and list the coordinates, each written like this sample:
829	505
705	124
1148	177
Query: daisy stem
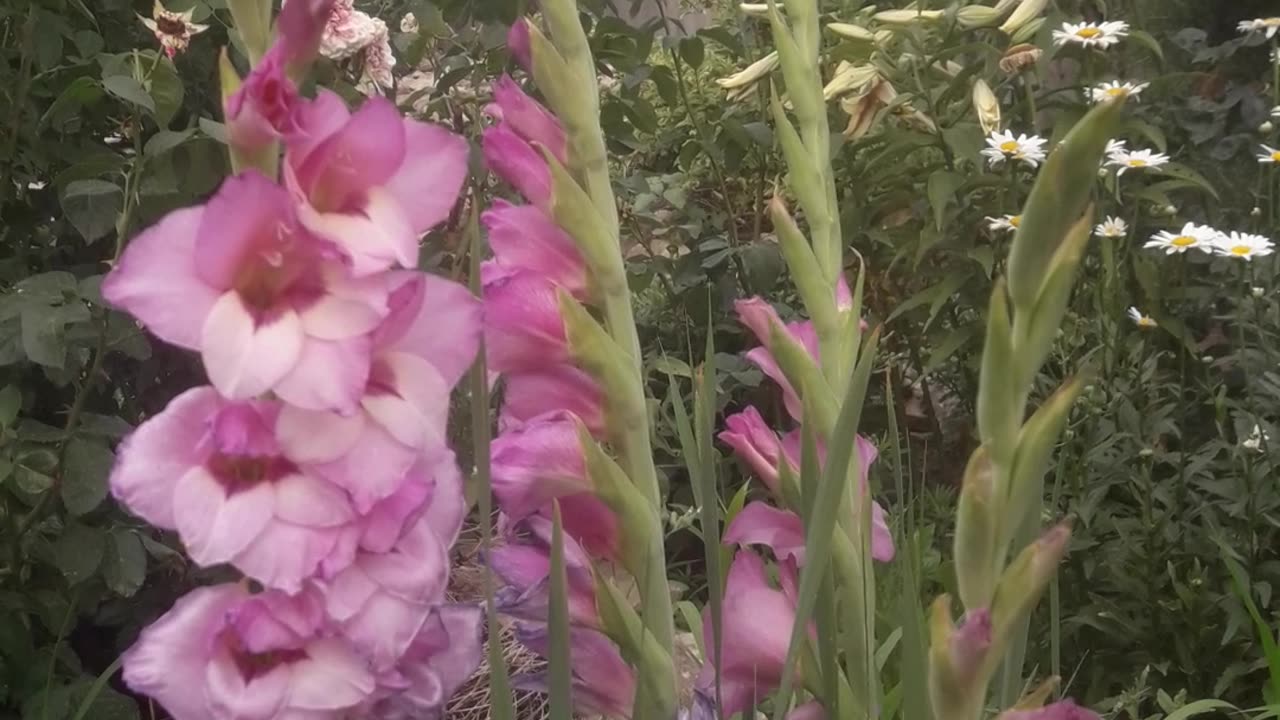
1031	102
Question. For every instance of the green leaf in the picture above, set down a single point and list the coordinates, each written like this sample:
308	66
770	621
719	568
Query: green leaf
1148	40
78	552
84	475
166	140
130	90
104	702
1200	707
942	190
1182	172
78	93
92	207
125	566
693	51
10	404
214	129
166	92
31	481
560	682
43	338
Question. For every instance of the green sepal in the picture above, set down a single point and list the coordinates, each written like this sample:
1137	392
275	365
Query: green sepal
597	353
252	19
1022	584
1036	331
803	374
655	670
573	211
977	531
997	406
816	292
1036	442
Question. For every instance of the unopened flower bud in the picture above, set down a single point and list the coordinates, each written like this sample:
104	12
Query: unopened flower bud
849	30
1206	359
974	16
1255	212
906	17
1266	127
740	81
1102	172
1146	452
986	106
1257	291
1170	210
1028	10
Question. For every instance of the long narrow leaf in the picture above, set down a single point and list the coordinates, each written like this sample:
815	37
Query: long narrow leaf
560	680
96	689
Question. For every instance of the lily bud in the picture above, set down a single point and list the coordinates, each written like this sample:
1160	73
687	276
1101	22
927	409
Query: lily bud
848	77
760	10
1026	11
907	17
738	83
857	32
975	16
986	106
1028	31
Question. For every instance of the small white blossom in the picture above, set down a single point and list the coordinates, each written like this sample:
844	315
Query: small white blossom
1275	112
1112	227
1007	223
1137	159
1003	146
1115	89
1102	35
1191	236
1257	291
1143	321
1266	128
1245	246
1269	155
1267	26
1256	439
409	24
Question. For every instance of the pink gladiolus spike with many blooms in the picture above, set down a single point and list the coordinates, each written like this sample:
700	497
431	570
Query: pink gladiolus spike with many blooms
223	653
363	175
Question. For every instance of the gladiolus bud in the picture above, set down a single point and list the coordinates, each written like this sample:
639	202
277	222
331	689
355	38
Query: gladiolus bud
1061	710
1026	11
977	531
518	44
986	106
1026	578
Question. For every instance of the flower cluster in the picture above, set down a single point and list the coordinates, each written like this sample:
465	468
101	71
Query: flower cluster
351	33
1244	246
315	463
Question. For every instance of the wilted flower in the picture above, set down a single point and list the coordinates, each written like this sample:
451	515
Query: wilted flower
409	24
1008	223
1245	246
865	107
172	29
1267	26
986	106
350	32
1019	58
1003	146
1143	321
1191	236
1112	227
1136	159
740	82
849	77
1102	35
1269	155
1115	89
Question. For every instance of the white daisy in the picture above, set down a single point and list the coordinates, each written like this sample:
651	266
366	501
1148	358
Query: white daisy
1112	227
1008	223
1245	246
1142	321
1268	26
1275	112
1103	35
1269	155
1191	236
1138	159
1115	89
1256	439
1115	146
1003	146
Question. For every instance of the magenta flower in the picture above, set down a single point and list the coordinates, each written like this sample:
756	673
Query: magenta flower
523	329
603	683
755	443
528	394
372	181
755	635
518	44
527	118
215	471
223	653
262	110
522	236
524	567
518	163
760	523
1061	710
240	281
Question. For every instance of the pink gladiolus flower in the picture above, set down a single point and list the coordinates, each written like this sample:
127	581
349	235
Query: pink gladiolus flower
1061	710
262	110
363	178
239	280
755	635
215	471
523	329
529	394
970	642
527	117
759	317
525	569
522	236
517	162
439	660
603	683
760	523
542	461
518	44
223	653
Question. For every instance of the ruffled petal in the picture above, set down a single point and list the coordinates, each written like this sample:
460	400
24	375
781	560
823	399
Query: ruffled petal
434	158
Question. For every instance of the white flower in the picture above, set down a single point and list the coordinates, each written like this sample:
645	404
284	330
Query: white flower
1269	155
1268	26
1004	146
1142	321
1115	89
1008	223
409	24
1275	112
1103	35
1112	227
1115	146
1256	439
1245	246
1125	159
1191	236
1257	291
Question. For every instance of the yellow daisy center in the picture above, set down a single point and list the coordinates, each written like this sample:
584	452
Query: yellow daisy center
1016	220
1137	162
1146	322
1183	241
1275	156
1117	92
1088	33
1241	250
1009	146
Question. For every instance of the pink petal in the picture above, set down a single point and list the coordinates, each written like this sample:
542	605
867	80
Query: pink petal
372	470
156	281
522	236
310	502
215	526
168	660
535	464
299	26
328	375
589	521
349	307
433	318
760	523
285	555
528	118
310	436
558	387
332	677
763	359
759	317
755	443
811	710
385	521
518	44
374	234
523	327
243	357
448	505
434	158
245	214
161	450
414	406
447	649
362	155
515	161
229	695
881	538
316	122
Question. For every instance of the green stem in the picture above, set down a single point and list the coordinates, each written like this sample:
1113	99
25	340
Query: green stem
18	102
